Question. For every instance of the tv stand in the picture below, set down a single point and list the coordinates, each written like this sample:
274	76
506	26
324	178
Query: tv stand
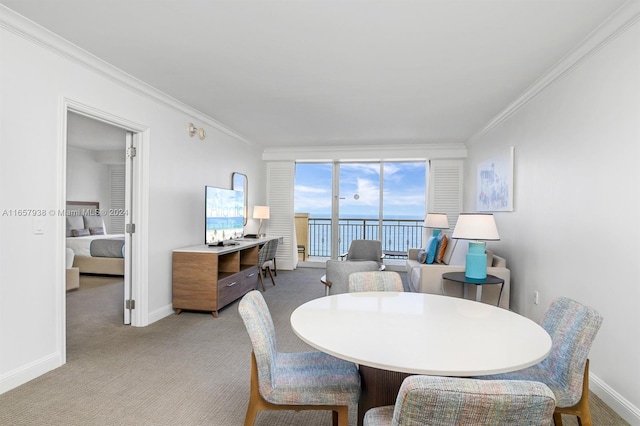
210	278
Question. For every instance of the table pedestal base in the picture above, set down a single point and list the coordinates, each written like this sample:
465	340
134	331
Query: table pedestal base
379	387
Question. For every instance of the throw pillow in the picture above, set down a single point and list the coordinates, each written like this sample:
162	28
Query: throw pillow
441	249
97	231
93	221
74	222
79	232
422	256
432	245
448	251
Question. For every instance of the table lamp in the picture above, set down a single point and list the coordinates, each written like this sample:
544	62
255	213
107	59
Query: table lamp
475	227
260	212
437	222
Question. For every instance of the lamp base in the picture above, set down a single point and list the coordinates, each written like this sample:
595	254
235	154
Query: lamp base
436	232
476	266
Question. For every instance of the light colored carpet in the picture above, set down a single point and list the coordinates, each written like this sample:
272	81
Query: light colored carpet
188	369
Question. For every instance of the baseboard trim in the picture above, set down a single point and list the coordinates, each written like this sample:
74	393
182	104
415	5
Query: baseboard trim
158	314
613	399
28	372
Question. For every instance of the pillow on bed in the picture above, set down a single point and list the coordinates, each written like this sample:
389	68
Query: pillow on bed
97	231
74	222
93	221
79	232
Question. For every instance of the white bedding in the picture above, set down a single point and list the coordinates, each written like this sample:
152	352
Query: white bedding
81	246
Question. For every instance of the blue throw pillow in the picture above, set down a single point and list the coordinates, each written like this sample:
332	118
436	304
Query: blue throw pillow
432	245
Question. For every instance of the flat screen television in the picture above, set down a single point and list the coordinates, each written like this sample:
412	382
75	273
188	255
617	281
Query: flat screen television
224	216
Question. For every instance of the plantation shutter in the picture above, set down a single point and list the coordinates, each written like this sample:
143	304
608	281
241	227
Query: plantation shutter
280	180
117	183
445	189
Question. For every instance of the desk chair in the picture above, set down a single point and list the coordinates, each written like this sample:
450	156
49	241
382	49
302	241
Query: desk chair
293	381
445	401
267	260
572	327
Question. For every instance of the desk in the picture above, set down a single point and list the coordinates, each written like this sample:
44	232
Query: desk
392	335
460	277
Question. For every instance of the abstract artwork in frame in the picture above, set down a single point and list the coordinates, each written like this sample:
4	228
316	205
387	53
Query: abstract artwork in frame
495	184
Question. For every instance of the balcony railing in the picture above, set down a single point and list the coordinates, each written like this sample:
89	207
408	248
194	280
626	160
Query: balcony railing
398	235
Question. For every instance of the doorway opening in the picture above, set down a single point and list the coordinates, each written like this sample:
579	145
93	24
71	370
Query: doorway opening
102	165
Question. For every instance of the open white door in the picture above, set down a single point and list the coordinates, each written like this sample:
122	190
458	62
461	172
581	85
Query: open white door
129	299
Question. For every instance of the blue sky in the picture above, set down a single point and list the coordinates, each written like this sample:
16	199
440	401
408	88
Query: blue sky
404	189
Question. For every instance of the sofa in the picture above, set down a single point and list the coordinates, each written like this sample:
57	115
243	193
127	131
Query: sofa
427	278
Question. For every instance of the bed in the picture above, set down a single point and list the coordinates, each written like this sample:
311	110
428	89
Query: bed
94	251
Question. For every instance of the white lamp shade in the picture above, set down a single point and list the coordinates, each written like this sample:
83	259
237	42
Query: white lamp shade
261	212
476	226
436	220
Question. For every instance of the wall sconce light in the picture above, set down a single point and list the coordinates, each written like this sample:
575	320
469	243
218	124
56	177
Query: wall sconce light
192	129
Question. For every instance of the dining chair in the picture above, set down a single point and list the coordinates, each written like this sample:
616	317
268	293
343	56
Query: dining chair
375	281
572	327
365	250
293	381
446	401
337	273
267	259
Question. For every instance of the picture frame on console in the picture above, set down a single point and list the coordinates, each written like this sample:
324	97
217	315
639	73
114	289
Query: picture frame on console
495	184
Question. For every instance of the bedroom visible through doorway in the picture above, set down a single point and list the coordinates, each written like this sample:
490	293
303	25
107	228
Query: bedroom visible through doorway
96	192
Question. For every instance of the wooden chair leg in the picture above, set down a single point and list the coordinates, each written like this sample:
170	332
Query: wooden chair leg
271	275
261	280
581	409
340	414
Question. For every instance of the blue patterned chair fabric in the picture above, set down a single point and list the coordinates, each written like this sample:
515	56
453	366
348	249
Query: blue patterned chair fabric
305	378
446	401
375	281
572	327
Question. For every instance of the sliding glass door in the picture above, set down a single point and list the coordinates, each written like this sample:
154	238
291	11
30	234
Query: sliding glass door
360	200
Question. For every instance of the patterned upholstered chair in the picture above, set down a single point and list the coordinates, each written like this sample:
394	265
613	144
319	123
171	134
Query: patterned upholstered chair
446	401
375	281
337	274
293	381
267	260
572	328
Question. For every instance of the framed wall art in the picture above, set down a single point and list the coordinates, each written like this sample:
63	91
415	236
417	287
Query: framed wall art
495	184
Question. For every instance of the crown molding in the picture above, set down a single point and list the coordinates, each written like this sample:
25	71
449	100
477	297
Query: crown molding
622	19
38	35
394	151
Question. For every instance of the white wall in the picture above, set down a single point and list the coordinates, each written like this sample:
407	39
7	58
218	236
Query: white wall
575	228
87	179
34	80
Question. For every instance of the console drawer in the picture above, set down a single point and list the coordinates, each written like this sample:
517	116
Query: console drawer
236	285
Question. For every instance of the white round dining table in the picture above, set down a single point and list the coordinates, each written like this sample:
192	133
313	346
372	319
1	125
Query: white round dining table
420	333
391	335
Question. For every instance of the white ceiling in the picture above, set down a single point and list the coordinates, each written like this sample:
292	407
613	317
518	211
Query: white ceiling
311	72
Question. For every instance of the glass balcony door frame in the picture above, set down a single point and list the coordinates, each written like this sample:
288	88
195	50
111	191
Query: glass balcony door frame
336	250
